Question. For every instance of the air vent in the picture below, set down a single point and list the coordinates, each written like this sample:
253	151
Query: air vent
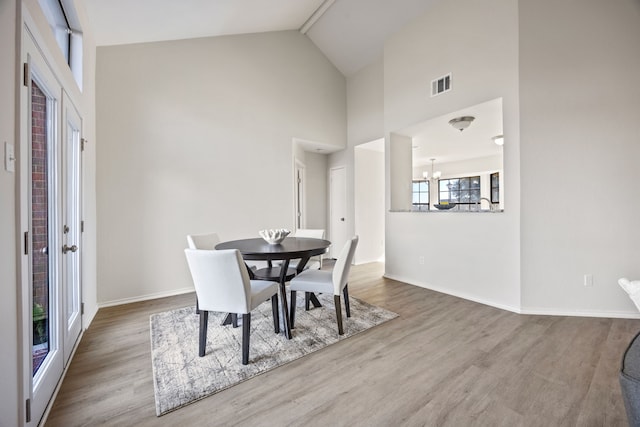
441	85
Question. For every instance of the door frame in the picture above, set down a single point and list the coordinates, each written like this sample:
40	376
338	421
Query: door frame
337	241
299	194
38	389
36	396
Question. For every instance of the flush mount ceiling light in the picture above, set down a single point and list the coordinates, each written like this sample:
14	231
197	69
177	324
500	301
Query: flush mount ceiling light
461	123
498	139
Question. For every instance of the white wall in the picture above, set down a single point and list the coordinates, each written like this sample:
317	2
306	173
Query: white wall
580	136
461	168
369	204
365	123
316	189
400	172
475	256
196	136
86	103
9	355
366	104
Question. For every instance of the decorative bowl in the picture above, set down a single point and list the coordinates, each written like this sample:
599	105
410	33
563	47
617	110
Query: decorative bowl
274	236
444	207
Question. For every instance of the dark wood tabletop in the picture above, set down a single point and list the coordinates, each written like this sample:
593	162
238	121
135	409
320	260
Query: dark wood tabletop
290	248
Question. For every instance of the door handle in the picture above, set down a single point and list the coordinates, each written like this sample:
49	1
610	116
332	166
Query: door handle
66	248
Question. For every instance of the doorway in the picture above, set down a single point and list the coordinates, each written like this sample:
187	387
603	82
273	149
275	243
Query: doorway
50	212
338	209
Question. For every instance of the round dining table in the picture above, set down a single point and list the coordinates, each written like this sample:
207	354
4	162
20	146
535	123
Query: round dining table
257	249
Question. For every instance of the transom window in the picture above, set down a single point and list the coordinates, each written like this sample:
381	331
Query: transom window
59	24
464	192
66	29
420	195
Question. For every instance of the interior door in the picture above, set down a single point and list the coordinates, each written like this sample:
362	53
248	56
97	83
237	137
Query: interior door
71	225
338	210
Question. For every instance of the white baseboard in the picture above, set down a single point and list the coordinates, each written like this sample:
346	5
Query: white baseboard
367	261
580	313
87	318
146	297
455	294
521	310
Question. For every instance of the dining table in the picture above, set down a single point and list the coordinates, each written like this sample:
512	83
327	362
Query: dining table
257	249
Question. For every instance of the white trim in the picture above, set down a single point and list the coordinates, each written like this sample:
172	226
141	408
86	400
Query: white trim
455	294
580	313
299	204
317	14
369	261
519	310
146	297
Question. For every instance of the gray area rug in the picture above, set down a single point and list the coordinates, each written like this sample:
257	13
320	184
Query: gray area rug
180	377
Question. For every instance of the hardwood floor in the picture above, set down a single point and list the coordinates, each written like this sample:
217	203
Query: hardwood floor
444	362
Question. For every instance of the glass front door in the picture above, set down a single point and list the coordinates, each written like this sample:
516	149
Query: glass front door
50	206
71	225
41	133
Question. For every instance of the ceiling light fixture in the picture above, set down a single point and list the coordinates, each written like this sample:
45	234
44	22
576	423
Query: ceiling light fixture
434	175
461	123
498	139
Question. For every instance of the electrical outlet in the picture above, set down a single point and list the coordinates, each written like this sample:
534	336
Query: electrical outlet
421	260
588	280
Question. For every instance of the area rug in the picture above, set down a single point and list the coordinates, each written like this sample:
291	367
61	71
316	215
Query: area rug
180	377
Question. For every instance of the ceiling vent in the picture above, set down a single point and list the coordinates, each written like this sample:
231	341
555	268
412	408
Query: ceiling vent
441	85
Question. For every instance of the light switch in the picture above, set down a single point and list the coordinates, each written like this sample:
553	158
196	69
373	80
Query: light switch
9	158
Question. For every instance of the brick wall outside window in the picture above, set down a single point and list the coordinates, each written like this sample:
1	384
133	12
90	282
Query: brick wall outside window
40	199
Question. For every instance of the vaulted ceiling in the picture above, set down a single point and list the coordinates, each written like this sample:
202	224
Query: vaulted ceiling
351	33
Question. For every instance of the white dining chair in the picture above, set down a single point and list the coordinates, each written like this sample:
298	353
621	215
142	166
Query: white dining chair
632	288
222	285
322	281
203	241
209	241
314	263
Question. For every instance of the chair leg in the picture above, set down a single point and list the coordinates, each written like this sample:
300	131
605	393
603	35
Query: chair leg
307	301
204	319
292	309
336	301
313	299
197	305
347	308
234	320
246	328
276	316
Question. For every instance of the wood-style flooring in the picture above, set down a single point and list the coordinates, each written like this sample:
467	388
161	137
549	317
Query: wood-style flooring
444	362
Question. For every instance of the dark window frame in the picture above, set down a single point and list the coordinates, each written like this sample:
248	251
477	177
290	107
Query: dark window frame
54	11
494	180
420	205
471	189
